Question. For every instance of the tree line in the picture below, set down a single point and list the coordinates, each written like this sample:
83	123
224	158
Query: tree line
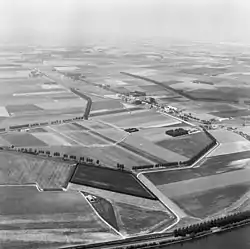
213	223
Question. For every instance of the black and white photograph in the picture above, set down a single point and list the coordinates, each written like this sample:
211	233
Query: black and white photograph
124	124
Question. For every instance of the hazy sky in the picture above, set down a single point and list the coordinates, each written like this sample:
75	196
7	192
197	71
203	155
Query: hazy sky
67	20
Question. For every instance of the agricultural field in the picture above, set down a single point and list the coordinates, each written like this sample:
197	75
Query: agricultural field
187	146
26	169
204	204
144	220
230	143
23	140
106	105
222	179
44	218
98	177
144	118
151	148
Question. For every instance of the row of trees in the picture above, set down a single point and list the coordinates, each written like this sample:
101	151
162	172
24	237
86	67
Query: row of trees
26	126
207	225
56	154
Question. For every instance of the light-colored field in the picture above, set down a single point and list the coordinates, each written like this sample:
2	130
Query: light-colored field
70	103
16	168
72	68
113	133
228	148
3	112
139	119
227	136
52	139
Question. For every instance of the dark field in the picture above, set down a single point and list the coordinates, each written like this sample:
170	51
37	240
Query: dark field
187	146
225	94
110	179
232	113
205	71
134	220
212	166
22	108
207	203
23	140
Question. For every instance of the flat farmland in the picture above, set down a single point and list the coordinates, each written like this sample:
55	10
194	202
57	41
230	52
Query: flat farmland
93	124
207	190
68	127
149	147
205	183
231	148
110	179
188	145
23	108
107	105
113	133
108	155
212	166
16	168
54	139
208	203
157	134
231	113
84	138
22	139
139	119
227	136
45	218
144	220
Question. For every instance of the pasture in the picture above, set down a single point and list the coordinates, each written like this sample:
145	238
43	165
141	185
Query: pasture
110	179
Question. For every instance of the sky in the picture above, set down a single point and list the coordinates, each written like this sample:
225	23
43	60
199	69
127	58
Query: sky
76	20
